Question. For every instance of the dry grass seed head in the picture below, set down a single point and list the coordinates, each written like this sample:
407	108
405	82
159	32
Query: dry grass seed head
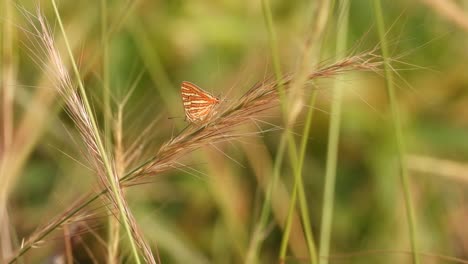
259	98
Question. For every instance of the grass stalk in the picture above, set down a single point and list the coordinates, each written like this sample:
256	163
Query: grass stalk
396	123
7	85
313	47
333	139
320	19
8	68
291	144
7	74
67	244
113	181
302	197
258	236
113	224
106	96
274	49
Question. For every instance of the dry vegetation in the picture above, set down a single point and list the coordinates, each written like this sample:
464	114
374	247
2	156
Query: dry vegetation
322	164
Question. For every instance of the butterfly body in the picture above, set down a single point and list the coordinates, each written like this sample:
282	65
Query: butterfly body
198	104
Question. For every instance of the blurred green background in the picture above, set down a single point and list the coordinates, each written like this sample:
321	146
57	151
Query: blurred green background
208	214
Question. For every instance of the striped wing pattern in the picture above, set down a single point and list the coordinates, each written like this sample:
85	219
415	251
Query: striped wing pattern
198	104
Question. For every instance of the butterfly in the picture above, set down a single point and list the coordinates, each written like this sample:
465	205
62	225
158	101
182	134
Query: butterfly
198	104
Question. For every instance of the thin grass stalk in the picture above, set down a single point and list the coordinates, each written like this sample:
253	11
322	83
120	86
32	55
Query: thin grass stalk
258	99
113	224
68	252
7	96
7	84
274	48
8	73
396	123
292	149
5	238
302	201
302	151
258	236
313	46
305	216
319	23
114	184
106	96
259	232
333	138
288	225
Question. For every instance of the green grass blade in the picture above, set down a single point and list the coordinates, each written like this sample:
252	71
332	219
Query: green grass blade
292	150
397	130
258	235
105	76
113	225
302	198
333	140
7	90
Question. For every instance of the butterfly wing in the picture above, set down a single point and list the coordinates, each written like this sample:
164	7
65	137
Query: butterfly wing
198	104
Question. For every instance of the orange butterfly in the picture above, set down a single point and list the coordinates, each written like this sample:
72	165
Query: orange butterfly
198	104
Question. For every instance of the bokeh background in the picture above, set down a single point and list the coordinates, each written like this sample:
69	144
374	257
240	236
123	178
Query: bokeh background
208	212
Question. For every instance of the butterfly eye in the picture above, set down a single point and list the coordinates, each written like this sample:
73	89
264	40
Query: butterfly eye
198	104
